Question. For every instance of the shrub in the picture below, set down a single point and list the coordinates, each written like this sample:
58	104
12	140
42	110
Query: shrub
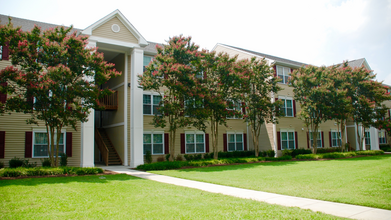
385	147
1	164
270	153
15	162
167	157
307	156
63	160
179	158
148	157
27	164
160	159
287	152
208	155
370	152
46	162
188	157
296	152
337	155
327	150
287	157
166	165
42	171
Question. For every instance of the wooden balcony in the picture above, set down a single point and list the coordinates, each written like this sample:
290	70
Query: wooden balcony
109	102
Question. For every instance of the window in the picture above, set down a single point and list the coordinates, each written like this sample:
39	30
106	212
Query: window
287	107
151	104
288	140
153	143
40	144
147	60
1	52
235	142
318	140
200	75
336	139
236	109
367	140
382	137
195	143
283	73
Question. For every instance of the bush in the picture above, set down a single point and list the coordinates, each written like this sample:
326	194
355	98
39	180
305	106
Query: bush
370	152
233	154
46	162
338	155
327	150
296	152
42	171
63	160
1	164
287	157
167	157
307	156
208	155
385	147
15	162
166	165
179	158
160	159
148	157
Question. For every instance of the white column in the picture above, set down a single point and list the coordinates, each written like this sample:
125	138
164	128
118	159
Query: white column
125	162
374	138
136	110
88	134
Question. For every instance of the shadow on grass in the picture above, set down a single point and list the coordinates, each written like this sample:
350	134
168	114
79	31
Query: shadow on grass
67	179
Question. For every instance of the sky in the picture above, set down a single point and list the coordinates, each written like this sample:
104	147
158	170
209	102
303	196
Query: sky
321	32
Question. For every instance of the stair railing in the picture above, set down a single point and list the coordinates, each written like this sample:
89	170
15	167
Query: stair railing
102	147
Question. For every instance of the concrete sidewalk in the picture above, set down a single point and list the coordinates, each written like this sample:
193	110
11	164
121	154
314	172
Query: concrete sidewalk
332	208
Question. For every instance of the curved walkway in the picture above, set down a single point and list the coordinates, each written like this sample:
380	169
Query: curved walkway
332	208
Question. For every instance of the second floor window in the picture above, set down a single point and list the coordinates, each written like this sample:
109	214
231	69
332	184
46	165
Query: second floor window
147	60
287	107
150	104
283	73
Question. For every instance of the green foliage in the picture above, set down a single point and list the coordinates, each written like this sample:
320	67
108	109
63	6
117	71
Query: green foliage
46	162
44	171
208	156
385	147
15	162
308	156
148	157
336	155
286	157
370	152
167	157
179	157
296	152
236	154
328	150
1	164
166	165
190	157
63	160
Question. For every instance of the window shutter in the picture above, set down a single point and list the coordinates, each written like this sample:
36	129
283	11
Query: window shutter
2	143
225	142
206	143
243	108
245	141
294	108
166	143
275	70
69	144
278	140
389	113
308	140
331	144
5	52
322	139
296	142
205	75
183	151
3	97
28	144
30	101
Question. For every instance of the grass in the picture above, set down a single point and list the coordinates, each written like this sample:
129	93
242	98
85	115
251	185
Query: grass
125	197
362	181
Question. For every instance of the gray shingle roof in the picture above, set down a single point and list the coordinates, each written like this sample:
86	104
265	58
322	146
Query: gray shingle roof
277	59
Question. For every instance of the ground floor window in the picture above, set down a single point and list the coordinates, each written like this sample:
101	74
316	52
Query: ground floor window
367	140
40	146
195	143
235	142
382	137
287	140
318	140
336	139
153	143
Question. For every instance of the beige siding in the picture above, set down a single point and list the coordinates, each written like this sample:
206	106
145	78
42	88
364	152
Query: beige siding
15	127
123	35
233	52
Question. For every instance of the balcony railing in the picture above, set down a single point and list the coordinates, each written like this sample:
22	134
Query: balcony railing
109	102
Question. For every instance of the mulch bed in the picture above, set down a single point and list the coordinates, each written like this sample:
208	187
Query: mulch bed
105	172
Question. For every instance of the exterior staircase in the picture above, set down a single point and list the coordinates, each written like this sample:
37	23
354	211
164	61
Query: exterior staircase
108	152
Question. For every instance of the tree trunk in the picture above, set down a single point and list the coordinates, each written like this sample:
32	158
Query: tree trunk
343	136
361	136
214	128
172	145
255	142
314	134
52	146
57	144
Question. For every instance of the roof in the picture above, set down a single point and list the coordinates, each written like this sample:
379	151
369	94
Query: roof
357	63
276	59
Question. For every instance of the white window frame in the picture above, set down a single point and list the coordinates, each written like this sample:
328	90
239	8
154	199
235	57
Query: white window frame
235	141
237	107
336	140
285	108
382	136
319	140
152	133
367	139
286	73
195	133
63	132
152	94
288	140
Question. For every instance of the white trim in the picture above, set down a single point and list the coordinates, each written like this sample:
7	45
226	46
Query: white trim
126	112
293	106
234	133
41	130
153	133
113	42
114	125
117	86
195	132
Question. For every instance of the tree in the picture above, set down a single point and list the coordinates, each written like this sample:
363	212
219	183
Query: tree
172	74
310	91
258	85
53	77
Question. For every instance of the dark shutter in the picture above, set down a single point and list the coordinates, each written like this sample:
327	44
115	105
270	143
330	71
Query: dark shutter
294	108
206	143
30	101
166	143
5	52
28	144
245	141
296	142
389	113
308	140
183	151
243	108
69	144
275	70
331	144
225	142
2	143
3	97
278	140
204	74
322	139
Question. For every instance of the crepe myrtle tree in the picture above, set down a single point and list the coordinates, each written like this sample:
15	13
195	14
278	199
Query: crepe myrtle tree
53	77
173	73
309	88
258	84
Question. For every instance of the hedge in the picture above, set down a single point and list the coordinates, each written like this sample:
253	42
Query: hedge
44	171
339	154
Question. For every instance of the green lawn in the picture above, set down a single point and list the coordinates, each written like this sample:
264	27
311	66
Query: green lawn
363	181
125	197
